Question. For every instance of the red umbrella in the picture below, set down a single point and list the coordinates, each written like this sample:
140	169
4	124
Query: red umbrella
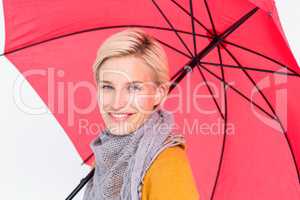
236	101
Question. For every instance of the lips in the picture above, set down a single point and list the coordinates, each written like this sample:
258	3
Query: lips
119	117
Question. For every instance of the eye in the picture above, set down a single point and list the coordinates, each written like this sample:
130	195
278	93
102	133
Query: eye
135	87
107	87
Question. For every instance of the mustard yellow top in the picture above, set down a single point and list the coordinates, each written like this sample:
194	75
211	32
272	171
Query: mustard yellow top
170	177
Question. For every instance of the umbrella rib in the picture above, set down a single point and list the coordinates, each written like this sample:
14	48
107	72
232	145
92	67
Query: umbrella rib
172	27
262	55
194	38
225	124
248	68
210	91
193	27
99	29
253	82
198	21
173	48
272	109
216	40
195	53
238	92
210	17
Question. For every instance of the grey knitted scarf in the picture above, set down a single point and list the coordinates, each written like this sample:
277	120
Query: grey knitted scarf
122	161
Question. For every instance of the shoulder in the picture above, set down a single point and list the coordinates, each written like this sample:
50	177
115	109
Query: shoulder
170	166
170	156
170	161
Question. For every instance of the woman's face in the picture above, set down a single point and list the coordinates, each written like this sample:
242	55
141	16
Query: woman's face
127	93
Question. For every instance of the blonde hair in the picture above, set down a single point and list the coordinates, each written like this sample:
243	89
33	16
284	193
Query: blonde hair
134	41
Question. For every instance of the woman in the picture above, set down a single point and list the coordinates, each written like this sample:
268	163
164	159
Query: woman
136	156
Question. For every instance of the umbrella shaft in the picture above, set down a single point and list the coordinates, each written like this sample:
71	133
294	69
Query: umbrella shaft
81	184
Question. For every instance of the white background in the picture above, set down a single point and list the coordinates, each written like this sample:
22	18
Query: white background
37	159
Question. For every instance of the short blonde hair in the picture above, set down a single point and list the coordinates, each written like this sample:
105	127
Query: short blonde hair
134	41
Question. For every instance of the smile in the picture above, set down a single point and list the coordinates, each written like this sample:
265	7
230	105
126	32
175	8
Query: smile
118	117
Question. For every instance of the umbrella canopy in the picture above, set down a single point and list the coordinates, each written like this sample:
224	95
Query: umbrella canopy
235	82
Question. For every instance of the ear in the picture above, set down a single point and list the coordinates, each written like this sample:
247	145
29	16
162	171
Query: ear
160	94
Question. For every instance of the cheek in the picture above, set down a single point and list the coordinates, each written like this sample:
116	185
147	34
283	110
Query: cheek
105	99
143	102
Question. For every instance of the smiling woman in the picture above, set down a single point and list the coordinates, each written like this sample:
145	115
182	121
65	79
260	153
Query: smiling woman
127	93
137	155
136	68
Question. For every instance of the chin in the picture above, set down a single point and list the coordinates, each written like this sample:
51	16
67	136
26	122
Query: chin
119	132
125	127
119	129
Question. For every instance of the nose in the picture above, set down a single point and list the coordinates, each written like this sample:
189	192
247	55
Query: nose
120	100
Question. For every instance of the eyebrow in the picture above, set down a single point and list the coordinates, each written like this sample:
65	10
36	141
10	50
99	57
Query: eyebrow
132	82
